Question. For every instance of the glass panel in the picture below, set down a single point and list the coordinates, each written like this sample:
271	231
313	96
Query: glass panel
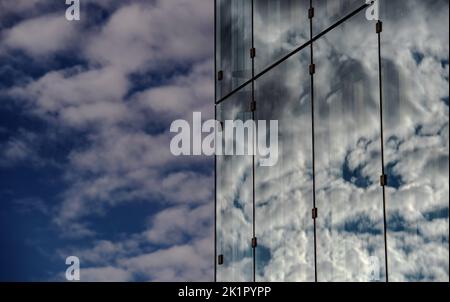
416	94
280	26
350	243
328	12
234	199
234	41
284	227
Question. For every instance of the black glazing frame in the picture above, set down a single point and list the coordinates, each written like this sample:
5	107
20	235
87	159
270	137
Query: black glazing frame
313	145
251	82
215	156
383	175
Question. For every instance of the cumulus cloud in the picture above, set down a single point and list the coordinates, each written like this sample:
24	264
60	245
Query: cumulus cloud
181	96
77	97
181	250
149	37
42	35
172	225
181	263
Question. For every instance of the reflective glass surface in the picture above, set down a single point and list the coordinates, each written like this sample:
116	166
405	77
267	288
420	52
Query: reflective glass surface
233	44
415	92
348	158
279	27
283	191
348	146
328	12
234	199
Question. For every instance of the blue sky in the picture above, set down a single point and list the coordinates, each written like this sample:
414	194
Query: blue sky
85	167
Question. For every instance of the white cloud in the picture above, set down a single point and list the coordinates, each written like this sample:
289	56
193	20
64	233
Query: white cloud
190	262
171	225
154	35
42	36
78	98
181	96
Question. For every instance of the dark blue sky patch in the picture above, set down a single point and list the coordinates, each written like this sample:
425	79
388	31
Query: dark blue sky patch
418	57
154	128
93	14
397	223
19	69
445	100
9	77
23	67
416	277
30	190
40	8
361	224
238	203
355	176
372	248
127	218
29	255
145	80
418	130
394	141
58	144
9	20
25	228
394	180
266	202
25	181
14	118
232	253
263	256
50	142
441	213
427	239
65	60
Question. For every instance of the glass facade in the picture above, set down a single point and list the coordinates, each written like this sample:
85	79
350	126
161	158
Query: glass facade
348	157
278	29
283	191
360	191
233	43
234	199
